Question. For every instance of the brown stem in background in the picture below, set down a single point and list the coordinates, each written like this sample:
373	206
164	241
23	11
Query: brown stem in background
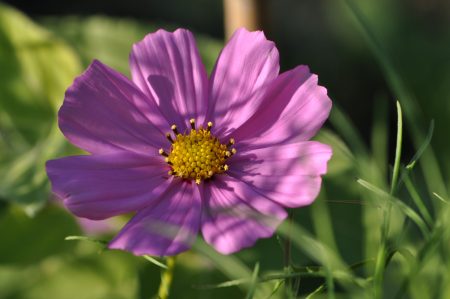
250	14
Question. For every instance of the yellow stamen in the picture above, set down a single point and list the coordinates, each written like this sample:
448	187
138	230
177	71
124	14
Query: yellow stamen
197	155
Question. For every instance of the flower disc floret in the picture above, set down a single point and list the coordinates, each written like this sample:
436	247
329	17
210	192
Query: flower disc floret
197	155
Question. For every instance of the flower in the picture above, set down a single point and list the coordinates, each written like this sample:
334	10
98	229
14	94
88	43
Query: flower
223	155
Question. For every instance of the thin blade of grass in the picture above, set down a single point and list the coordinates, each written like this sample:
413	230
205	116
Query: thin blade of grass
154	261
380	265
422	147
398	148
89	239
276	288
229	265
418	201
441	198
253	283
316	291
410	213
264	278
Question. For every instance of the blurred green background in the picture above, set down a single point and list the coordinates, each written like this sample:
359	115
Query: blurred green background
367	53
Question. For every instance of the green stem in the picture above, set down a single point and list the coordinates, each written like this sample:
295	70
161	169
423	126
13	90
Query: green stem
382	252
288	256
166	278
398	148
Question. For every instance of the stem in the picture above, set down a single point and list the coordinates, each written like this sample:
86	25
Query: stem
382	252
166	278
288	255
398	149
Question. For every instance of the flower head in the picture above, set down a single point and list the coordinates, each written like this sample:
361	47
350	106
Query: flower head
223	155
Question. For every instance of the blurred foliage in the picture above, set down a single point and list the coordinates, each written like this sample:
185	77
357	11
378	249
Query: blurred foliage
335	242
92	38
36	69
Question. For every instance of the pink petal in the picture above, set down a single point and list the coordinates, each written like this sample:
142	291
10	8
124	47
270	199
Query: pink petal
104	112
235	216
288	174
294	108
247	63
167	227
167	67
102	186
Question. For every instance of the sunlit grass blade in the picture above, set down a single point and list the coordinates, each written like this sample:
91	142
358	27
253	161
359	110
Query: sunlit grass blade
232	267
263	278
446	201
85	238
422	148
312	247
276	288
382	251
226	284
410	213
316	291
418	201
309	272
323	255
154	261
398	148
253	282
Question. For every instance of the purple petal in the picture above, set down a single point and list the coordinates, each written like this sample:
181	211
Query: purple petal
104	112
294	108
289	174
168	68
102	186
96	227
235	216
247	63
167	227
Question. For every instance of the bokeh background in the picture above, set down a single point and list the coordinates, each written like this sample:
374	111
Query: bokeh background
367	53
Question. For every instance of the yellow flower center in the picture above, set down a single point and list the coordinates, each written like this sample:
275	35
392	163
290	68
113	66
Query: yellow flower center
197	155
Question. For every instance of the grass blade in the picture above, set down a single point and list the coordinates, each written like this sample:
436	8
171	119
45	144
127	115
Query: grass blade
410	213
253	283
84	238
154	261
418	201
398	148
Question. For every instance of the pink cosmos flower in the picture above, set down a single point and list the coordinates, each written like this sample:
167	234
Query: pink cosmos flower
223	155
